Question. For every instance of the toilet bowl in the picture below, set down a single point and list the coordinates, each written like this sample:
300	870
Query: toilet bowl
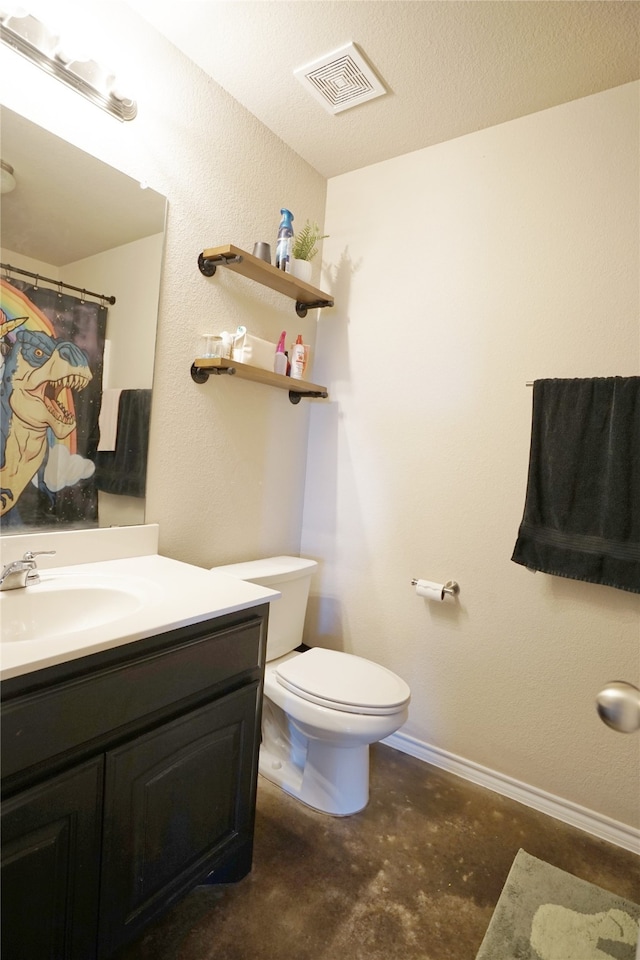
321	708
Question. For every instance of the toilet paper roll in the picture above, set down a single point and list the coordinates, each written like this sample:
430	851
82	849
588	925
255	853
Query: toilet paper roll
430	590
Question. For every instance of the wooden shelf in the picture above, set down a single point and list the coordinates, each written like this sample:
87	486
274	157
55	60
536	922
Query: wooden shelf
203	367
233	258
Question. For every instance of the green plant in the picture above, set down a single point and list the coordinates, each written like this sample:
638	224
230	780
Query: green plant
305	242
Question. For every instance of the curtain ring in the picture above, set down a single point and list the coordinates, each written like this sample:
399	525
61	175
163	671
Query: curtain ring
82	298
35	286
60	289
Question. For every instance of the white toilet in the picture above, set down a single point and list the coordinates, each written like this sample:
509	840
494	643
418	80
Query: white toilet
322	708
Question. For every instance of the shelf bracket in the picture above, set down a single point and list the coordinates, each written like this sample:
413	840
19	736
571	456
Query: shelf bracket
302	308
207	265
296	397
202	374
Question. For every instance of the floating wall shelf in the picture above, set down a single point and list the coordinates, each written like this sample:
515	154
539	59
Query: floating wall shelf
203	368
233	258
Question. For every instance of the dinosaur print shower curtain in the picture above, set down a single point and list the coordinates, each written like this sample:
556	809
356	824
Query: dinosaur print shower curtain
51	368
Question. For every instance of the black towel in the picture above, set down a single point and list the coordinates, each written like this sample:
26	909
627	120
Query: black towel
582	509
124	471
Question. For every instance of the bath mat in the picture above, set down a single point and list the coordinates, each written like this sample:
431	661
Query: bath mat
546	914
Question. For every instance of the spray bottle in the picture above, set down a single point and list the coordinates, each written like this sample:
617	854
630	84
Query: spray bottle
297	359
280	359
285	241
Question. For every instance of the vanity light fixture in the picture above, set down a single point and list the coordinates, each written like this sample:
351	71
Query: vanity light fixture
7	181
35	41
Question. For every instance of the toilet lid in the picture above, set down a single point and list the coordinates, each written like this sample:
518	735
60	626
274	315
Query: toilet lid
343	682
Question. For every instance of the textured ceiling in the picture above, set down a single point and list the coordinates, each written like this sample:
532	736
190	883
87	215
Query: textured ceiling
80	208
451	66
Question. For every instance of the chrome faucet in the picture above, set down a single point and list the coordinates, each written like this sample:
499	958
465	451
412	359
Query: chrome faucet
23	573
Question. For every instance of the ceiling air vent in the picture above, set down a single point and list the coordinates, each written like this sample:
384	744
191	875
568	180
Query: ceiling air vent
341	79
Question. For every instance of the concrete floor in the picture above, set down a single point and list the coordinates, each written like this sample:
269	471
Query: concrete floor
415	876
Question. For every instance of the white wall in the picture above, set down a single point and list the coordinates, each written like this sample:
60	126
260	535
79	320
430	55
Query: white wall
28	263
460	272
130	273
226	459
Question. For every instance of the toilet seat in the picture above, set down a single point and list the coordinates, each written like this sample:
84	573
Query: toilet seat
341	681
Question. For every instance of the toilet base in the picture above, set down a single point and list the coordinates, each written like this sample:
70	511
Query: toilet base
327	778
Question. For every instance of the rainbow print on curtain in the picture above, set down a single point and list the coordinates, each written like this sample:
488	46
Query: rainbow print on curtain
51	384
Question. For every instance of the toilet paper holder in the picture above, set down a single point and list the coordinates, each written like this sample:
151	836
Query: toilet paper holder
451	587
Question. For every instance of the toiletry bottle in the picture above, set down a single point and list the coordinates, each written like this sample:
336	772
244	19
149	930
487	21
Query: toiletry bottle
285	241
297	359
280	359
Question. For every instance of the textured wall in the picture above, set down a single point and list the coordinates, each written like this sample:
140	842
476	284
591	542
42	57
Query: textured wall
227	459
461	272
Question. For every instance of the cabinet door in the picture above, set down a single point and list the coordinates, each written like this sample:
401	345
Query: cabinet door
51	867
178	801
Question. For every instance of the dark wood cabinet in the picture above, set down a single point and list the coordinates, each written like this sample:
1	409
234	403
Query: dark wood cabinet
176	800
51	866
128	777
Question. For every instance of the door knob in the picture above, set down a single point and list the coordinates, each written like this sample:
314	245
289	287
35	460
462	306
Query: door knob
618	706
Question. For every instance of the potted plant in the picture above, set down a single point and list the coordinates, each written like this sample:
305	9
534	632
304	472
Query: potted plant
304	249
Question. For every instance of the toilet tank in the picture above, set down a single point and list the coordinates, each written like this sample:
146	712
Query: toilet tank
291	576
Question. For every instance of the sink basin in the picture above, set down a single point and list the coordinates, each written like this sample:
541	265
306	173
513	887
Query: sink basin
65	605
91	607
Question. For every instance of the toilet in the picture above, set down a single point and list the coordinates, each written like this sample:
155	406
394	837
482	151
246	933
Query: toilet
322	708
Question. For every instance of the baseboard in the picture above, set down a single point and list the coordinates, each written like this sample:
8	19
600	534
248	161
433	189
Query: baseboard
572	813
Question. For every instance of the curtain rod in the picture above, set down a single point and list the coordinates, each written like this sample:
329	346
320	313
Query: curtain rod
58	283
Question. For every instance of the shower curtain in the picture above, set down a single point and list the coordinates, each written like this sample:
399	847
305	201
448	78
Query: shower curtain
52	359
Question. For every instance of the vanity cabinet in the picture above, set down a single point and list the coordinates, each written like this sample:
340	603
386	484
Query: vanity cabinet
128	777
51	866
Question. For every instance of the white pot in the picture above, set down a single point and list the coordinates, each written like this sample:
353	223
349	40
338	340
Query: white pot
301	269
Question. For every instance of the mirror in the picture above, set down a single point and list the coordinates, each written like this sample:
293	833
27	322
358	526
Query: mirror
81	255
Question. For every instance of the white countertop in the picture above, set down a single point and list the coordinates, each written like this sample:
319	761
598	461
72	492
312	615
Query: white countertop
171	593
